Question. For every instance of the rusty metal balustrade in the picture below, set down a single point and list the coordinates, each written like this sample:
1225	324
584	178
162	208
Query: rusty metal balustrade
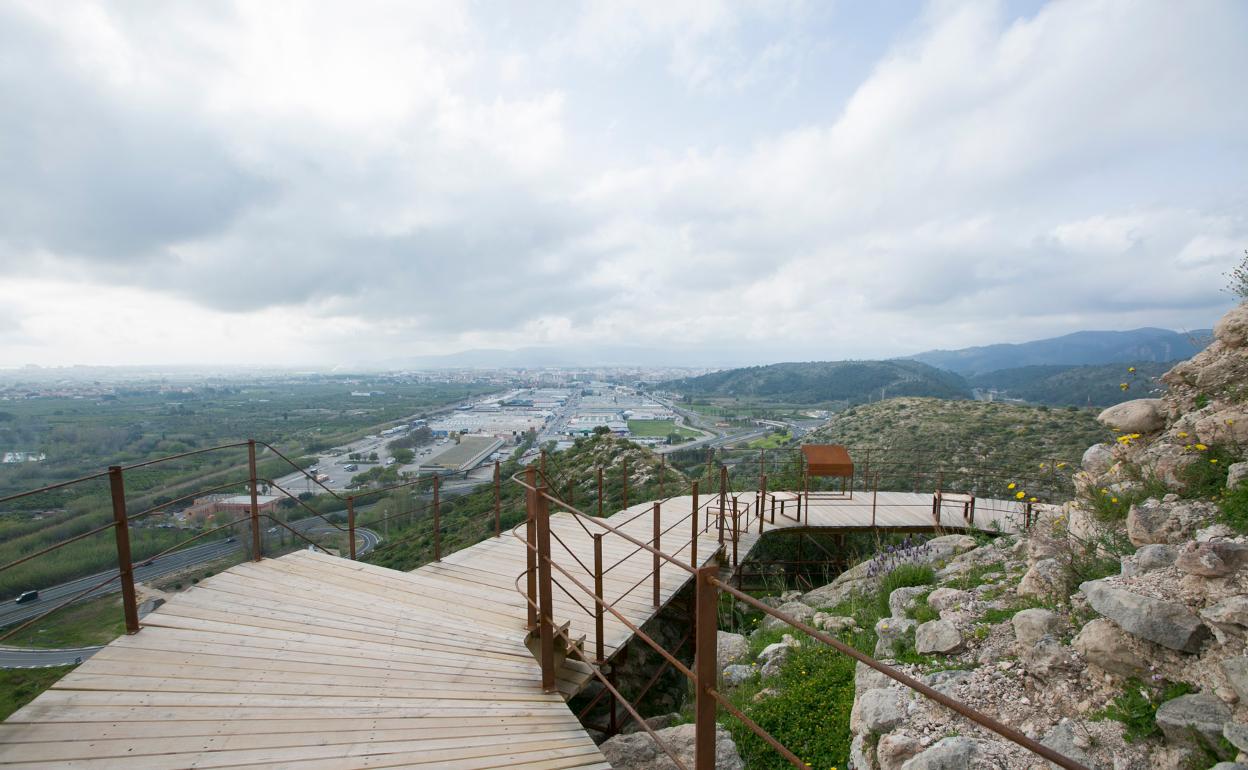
543	567
252	519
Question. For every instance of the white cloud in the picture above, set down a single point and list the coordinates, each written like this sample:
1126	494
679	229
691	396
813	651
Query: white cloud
393	178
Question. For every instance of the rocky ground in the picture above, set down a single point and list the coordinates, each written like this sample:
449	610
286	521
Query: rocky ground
1114	630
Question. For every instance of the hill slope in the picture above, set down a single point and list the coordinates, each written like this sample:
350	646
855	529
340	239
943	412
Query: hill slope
1075	385
826	381
1079	348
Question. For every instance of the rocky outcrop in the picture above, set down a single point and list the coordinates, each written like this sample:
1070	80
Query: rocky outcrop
1045	578
730	648
1193	720
1031	625
1168	521
796	610
1169	624
881	709
937	636
1106	646
638	751
865	577
955	753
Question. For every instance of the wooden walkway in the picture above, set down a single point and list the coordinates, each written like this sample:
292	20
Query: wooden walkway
313	661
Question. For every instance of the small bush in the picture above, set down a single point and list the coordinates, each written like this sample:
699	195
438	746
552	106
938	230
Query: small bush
1137	707
1234	505
1206	477
904	576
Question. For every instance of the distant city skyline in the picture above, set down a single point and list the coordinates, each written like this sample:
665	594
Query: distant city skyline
347	185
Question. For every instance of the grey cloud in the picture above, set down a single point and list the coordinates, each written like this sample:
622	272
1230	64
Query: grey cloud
97	177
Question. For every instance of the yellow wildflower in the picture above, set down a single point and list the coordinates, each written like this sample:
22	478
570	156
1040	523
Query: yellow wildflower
1201	447
1021	495
1123	385
1061	465
1012	485
1182	434
1033	500
1113	499
1131	369
1213	460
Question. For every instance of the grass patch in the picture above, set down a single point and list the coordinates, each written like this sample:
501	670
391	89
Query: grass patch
994	616
810	716
1234	506
97	621
1136	708
1206	478
904	576
976	576
19	686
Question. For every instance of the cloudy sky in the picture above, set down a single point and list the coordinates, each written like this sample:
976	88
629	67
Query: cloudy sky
317	183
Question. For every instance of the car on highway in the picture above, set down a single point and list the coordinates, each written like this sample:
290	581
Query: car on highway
27	596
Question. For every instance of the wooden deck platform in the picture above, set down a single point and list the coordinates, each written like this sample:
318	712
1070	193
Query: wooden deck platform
312	661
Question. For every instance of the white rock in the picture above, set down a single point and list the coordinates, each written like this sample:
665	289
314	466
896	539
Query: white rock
1143	415
937	636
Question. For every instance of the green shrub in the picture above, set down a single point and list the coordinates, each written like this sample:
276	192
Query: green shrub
1206	477
903	576
810	716
1137	707
1234	507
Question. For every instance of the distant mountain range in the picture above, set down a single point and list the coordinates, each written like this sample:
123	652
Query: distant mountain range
1060	385
824	382
1077	349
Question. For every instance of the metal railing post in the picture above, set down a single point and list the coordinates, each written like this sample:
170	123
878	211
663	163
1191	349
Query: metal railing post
546	599
875	492
600	491
697	530
530	534
734	532
437	518
498	498
723	500
704	662
256	553
121	528
658	531
599	611
762	502
351	524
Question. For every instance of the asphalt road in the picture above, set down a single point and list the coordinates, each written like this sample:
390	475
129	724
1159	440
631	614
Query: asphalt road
11	612
19	657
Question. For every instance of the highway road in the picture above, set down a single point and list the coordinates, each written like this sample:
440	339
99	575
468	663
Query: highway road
21	657
11	613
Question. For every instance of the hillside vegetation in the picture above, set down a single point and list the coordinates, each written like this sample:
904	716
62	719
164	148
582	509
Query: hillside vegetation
1080	348
1063	385
974	442
823	382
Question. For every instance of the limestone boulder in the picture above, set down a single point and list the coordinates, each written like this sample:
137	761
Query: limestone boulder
943	599
639	752
1143	415
833	624
894	749
1193	719
1045	578
937	636
1175	521
1098	459
1169	624
1232	329
1104	645
881	709
1236	474
956	753
1236	672
889	632
1228	619
1071	739
1149	558
1031	625
1225	426
1200	559
902	600
730	648
736	674
796	610
1047	658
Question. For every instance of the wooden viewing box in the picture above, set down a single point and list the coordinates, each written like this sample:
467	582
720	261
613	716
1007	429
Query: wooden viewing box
828	460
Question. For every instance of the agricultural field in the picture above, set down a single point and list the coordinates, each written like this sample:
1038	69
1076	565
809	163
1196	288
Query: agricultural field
659	429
